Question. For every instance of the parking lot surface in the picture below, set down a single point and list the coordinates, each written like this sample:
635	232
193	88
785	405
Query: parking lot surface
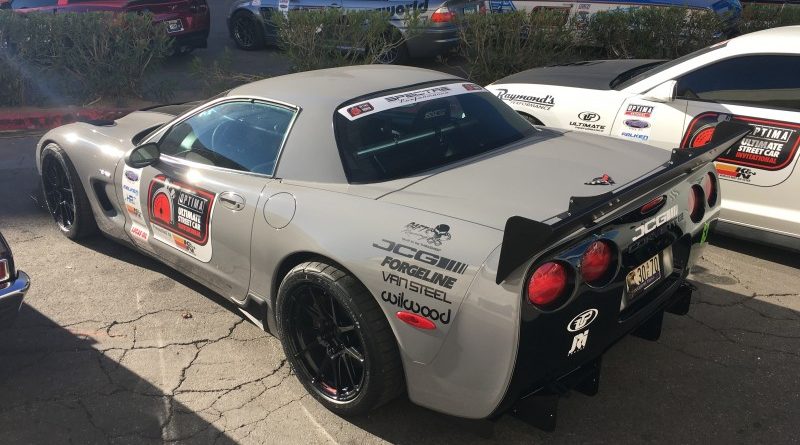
113	347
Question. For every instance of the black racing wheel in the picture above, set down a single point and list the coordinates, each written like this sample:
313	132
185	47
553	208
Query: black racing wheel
337	339
64	194
247	31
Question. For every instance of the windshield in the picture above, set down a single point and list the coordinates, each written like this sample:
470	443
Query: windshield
665	66
412	131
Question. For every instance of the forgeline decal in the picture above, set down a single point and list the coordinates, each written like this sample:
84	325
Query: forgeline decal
579	323
402	302
130	193
586	121
765	157
181	216
433	236
366	108
543	103
421	273
655	222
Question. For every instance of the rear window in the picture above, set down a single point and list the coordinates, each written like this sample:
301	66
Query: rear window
411	131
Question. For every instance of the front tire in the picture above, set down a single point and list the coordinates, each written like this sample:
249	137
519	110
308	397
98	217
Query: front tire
247	31
64	195
337	339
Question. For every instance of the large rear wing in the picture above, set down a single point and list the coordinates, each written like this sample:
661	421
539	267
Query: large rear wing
525	238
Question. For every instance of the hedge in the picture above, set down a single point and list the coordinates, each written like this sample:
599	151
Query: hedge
53	59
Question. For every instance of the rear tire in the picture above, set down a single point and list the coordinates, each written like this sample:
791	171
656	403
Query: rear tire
247	31
64	195
327	320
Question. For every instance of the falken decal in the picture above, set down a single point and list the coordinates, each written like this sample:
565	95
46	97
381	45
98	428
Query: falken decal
766	157
366	108
130	193
182	214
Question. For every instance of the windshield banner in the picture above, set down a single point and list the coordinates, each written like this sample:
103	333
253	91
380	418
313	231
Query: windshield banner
378	104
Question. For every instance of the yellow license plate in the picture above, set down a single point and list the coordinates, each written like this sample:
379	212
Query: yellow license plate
643	276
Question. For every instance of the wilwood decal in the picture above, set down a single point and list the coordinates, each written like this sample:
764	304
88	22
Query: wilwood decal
184	212
768	150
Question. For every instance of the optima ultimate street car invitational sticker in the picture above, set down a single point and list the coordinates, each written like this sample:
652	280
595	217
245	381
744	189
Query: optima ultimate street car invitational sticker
765	157
181	216
359	110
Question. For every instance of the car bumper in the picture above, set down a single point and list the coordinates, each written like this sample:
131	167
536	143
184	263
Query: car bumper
432	42
11	297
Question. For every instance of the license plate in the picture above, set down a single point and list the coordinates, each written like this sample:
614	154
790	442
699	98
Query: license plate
643	276
470	9
174	25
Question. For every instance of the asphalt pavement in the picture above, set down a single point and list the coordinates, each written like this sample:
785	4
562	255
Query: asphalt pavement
113	347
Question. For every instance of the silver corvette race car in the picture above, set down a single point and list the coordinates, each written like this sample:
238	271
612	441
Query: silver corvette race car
400	229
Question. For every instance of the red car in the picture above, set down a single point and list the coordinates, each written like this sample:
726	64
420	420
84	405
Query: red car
188	21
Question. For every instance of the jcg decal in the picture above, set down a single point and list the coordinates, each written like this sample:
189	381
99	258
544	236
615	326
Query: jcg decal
183	212
765	157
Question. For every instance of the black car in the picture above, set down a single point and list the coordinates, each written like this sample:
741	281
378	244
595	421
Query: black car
13	285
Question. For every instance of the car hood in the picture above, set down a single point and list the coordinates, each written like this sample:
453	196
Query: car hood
534	179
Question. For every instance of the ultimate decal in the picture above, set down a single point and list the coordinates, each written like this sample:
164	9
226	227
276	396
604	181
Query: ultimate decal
183	215
767	155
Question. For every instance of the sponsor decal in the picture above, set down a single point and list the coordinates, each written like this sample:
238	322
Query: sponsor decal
635	136
416	287
433	236
139	232
589	116
183	212
421	273
639	110
597	128
422	256
543	103
406	8
636	123
130	193
601	180
353	112
655	222
582	320
766	156
579	342
399	300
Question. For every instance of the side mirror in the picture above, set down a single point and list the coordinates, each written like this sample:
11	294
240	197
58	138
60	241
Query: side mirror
143	155
663	93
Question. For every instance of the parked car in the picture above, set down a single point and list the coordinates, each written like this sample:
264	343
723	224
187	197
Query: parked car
398	228
187	21
14	284
751	79
582	10
249	21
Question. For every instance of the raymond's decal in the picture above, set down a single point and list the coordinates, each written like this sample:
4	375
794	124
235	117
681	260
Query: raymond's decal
130	193
182	213
765	157
541	102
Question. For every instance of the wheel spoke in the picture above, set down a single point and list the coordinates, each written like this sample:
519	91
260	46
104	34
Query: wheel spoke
352	352
345	329
344	359
307	348
337	378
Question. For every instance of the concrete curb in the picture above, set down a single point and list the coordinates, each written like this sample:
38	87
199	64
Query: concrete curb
45	119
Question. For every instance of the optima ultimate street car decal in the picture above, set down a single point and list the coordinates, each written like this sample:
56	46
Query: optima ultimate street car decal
359	110
765	157
181	216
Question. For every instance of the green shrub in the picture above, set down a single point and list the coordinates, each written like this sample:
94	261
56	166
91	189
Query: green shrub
756	17
496	45
326	38
653	33
62	58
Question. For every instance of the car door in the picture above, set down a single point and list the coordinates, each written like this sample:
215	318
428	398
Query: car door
194	208
763	91
650	122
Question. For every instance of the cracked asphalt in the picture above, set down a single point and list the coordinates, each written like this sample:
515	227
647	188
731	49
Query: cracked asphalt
113	347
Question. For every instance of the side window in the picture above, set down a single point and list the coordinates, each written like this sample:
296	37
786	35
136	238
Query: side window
774	84
243	136
23	4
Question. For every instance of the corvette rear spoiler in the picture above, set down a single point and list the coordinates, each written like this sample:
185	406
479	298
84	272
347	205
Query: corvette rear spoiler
525	238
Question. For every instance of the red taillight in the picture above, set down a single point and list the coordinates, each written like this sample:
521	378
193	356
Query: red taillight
547	284
710	188
596	262
696	206
442	15
415	320
5	273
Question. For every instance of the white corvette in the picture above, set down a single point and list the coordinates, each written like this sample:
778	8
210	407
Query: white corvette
754	79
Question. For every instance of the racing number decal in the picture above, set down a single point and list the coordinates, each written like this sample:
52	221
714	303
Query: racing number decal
180	215
761	158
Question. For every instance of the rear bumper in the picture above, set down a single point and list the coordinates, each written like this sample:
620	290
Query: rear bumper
432	42
11	297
